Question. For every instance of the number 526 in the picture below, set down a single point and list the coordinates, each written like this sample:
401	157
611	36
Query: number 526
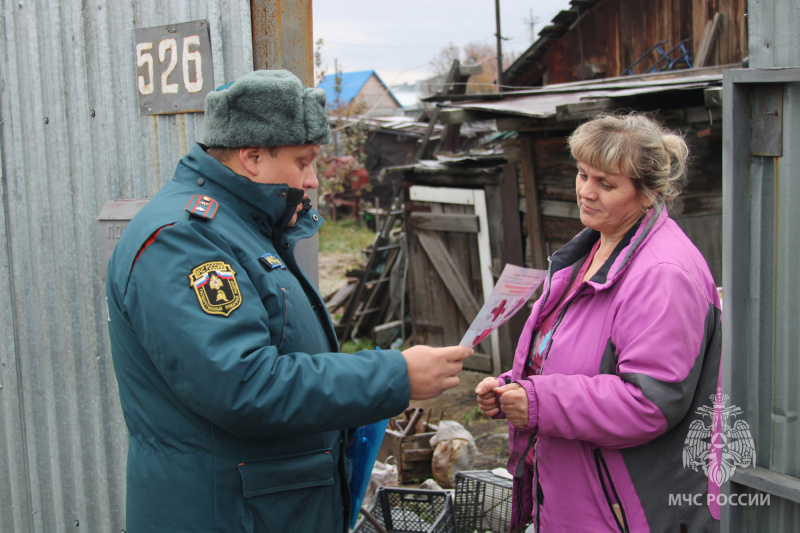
167	52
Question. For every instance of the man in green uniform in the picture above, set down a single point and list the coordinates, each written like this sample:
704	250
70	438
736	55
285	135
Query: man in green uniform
236	397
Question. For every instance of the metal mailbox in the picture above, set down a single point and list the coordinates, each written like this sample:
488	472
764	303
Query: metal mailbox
113	219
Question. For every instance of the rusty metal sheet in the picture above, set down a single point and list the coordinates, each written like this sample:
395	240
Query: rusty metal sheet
283	37
544	103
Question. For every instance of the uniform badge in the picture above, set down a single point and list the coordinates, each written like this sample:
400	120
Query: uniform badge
216	288
202	206
271	262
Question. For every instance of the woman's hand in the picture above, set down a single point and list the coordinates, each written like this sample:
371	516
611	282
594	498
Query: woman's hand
514	403
486	396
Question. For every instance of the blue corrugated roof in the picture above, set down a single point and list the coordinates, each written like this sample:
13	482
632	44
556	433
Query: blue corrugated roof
352	83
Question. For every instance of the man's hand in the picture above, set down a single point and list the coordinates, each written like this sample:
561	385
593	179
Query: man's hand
431	371
487	399
514	403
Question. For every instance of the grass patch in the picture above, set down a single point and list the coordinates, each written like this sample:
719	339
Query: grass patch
471	417
363	343
353	346
345	235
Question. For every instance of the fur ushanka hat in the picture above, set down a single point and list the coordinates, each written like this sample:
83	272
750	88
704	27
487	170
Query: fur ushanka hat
266	108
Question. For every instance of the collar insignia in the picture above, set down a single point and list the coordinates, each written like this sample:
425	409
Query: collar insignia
216	288
271	262
202	206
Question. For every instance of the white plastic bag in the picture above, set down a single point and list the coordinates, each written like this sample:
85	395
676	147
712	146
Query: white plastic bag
383	475
454	451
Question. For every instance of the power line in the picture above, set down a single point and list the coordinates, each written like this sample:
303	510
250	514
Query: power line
363	45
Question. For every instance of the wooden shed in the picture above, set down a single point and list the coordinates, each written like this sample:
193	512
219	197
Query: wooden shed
462	225
664	57
636	36
528	190
543	118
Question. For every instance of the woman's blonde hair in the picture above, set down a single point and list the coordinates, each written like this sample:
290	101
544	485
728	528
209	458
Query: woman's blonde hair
636	146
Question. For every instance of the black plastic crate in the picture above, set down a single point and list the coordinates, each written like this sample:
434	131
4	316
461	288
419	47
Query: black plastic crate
483	502
410	511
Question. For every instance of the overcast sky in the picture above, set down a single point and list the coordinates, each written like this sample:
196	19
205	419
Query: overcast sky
399	39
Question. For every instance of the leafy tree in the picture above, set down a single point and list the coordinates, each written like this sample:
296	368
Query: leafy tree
342	161
474	53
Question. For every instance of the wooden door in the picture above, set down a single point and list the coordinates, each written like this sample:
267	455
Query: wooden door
449	268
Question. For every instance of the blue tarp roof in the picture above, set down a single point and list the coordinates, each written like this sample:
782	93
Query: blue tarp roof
352	83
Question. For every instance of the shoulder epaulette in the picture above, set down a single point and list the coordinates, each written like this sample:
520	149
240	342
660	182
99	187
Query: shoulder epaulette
202	206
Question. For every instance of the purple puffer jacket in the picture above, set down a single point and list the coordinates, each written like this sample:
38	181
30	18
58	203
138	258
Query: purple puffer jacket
635	351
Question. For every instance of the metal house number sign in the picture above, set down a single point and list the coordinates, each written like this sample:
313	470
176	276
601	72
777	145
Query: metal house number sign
174	68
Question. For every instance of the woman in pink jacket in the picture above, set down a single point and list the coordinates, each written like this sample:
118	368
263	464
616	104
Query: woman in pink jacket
619	352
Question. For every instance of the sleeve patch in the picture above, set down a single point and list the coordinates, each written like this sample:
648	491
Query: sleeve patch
215	285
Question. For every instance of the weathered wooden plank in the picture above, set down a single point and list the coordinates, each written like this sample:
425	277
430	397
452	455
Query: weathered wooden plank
340	296
583	110
417	455
431	222
560	229
449	274
533	213
707	43
513	253
479	362
424	327
554	208
462	116
473	177
417	440
432	303
558	191
555	169
699	204
521	124
769	481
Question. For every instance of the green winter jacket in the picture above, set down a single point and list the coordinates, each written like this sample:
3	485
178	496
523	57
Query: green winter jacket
235	396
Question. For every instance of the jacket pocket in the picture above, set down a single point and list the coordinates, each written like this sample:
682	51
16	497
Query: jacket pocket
290	493
289	472
612	499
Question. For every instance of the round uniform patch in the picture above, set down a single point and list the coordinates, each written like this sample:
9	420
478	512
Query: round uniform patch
216	288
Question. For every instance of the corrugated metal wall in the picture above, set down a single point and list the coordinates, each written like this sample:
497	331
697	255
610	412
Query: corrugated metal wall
761	254
71	139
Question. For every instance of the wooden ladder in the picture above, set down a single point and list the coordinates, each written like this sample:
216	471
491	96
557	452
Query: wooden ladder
367	303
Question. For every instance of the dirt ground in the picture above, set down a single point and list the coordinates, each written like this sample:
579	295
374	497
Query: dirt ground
459	404
332	268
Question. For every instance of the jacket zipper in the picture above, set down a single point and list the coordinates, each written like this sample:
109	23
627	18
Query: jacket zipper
616	508
536	451
285	317
519	500
536	486
521	475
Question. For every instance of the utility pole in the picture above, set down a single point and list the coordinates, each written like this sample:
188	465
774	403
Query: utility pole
532	23
287	43
499	47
